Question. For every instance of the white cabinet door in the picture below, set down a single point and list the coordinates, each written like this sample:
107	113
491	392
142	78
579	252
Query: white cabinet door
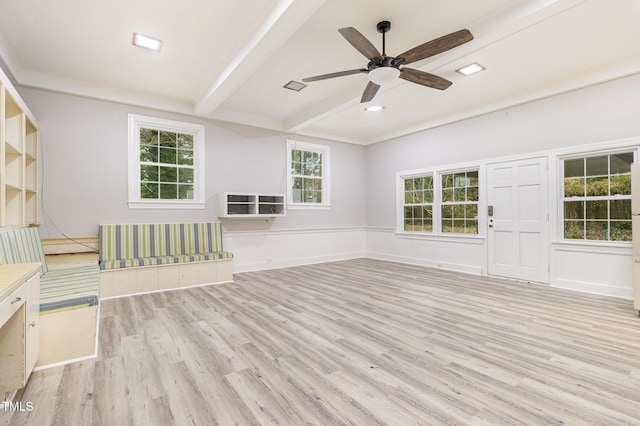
518	229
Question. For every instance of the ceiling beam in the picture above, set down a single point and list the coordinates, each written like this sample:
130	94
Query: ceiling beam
283	21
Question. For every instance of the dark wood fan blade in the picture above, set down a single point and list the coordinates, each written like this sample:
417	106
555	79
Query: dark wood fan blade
433	47
424	78
369	92
360	42
332	75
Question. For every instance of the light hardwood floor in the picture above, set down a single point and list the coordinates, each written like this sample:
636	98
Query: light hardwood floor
359	342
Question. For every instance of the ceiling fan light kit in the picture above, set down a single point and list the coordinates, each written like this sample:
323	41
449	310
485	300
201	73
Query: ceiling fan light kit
383	69
383	75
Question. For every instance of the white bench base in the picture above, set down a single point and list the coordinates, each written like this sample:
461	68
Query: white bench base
67	336
146	279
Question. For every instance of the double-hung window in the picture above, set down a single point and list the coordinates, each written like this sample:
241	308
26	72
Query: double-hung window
459	205
597	197
440	202
418	204
307	175
166	167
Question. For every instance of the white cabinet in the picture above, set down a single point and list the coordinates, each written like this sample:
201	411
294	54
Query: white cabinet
19	323
251	205
18	159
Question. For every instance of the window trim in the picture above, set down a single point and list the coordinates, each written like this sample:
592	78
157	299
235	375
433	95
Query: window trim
561	240
133	179
326	175
459	203
437	173
434	204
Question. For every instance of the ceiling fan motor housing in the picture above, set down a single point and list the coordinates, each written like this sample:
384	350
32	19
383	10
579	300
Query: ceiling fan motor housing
385	61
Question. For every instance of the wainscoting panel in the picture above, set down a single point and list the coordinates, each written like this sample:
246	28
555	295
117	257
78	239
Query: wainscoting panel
272	249
462	255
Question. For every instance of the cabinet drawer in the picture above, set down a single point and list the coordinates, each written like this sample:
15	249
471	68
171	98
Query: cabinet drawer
12	303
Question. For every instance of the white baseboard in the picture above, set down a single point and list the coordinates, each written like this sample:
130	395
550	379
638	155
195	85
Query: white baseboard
163	290
594	288
468	269
274	249
300	261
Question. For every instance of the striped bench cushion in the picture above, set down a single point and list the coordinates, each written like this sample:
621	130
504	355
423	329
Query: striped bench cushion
134	241
164	260
66	289
21	245
148	244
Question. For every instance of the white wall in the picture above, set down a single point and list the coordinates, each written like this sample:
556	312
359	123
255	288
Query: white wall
85	149
84	142
596	115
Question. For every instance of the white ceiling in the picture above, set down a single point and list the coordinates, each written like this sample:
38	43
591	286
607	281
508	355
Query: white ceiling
228	60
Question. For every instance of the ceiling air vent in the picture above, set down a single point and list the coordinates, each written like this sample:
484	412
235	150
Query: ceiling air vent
295	85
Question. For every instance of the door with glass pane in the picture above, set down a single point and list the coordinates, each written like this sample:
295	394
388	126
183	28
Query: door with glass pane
517	233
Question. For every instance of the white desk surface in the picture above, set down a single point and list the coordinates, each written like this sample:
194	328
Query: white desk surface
12	276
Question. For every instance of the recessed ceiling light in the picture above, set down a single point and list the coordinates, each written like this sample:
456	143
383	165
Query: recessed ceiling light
147	42
295	85
374	108
471	69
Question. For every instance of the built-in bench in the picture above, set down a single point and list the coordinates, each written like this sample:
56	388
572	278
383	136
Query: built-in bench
142	258
68	299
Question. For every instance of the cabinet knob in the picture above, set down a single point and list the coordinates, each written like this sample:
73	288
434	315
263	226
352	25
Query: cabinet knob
16	300
32	324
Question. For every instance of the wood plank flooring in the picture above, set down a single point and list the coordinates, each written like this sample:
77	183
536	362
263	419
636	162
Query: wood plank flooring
359	342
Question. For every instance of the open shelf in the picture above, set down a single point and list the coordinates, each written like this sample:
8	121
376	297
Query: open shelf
241	204
31	175
271	205
31	140
13	206
18	159
13	170
251	205
31	207
12	125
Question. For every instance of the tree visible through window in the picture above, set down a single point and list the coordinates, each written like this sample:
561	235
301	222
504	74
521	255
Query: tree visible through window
308	174
418	204
445	199
597	197
165	163
460	202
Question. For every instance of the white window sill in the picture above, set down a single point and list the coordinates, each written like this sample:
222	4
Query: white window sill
166	205
308	206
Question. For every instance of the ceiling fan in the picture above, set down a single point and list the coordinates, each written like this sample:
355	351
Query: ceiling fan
383	69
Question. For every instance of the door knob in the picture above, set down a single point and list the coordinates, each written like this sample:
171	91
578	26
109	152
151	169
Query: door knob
491	225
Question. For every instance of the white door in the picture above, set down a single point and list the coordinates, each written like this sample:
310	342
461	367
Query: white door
518	225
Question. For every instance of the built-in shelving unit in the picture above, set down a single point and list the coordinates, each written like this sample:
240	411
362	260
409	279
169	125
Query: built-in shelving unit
18	159
251	205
